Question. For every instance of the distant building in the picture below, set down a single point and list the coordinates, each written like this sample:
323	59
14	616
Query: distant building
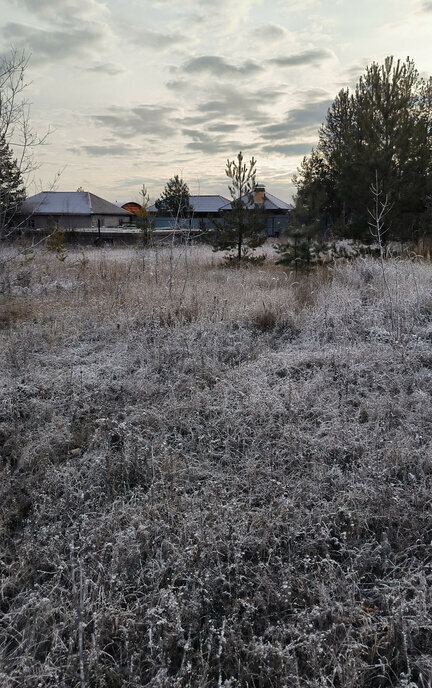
132	207
276	212
72	210
205	208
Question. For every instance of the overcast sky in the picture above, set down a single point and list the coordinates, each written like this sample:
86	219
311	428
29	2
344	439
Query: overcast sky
137	91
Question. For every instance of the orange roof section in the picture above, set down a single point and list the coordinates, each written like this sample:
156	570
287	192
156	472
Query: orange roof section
132	207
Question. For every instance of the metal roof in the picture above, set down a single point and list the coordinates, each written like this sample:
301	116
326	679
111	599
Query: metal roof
207	204
270	203
70	203
201	204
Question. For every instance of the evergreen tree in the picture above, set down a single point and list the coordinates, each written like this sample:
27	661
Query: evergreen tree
383	128
297	253
240	229
12	191
174	200
55	241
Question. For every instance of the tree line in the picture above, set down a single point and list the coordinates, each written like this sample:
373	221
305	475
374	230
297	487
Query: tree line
383	130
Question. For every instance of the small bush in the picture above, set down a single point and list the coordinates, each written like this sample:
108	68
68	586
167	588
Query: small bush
13	312
55	241
264	319
248	260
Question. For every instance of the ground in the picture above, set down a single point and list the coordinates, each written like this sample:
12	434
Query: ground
211	476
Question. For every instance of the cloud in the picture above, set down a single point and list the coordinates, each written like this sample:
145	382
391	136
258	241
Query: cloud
219	67
288	149
314	94
236	105
109	68
227	111
179	85
222	128
49	45
354	71
426	8
221	18
204	143
113	150
308	57
143	120
146	38
269	32
66	11
301	119
232	104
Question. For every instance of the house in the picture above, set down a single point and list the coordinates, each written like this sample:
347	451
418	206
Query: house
276	212
72	210
206	208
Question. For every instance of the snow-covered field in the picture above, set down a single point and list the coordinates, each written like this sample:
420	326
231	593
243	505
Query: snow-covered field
214	477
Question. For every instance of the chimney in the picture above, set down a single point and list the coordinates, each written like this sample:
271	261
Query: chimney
259	193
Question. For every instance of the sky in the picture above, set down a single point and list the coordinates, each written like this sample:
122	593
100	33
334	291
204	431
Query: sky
137	91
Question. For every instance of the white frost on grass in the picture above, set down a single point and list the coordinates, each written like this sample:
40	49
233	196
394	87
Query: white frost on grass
249	459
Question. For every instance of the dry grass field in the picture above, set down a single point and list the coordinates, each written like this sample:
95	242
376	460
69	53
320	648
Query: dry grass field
214	477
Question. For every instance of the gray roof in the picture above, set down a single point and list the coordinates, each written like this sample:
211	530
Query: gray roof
201	204
70	203
207	204
270	203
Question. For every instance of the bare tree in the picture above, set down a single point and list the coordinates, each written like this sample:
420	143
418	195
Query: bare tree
145	224
16	132
381	208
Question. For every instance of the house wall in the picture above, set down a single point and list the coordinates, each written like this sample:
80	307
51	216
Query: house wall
275	224
63	221
111	220
190	222
76	221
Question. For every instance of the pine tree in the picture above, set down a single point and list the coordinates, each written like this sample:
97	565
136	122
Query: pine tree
12	191
174	201
297	253
240	229
55	241
383	128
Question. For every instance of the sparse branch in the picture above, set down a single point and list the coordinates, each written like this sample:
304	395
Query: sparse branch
381	208
378	213
18	140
